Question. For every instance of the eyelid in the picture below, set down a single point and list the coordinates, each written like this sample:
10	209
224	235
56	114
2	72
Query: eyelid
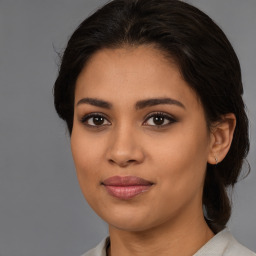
169	117
94	114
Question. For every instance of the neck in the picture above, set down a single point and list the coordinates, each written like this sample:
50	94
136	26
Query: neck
184	238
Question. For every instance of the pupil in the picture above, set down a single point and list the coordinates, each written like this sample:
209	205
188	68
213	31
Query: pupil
158	120
98	120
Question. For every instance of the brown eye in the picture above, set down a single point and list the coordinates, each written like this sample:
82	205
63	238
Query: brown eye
95	120
159	119
98	120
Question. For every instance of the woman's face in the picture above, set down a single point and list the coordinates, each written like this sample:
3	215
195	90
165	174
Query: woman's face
139	141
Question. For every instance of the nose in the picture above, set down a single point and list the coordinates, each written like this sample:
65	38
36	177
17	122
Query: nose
124	148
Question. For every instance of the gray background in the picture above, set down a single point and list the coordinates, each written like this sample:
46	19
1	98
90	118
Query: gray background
42	211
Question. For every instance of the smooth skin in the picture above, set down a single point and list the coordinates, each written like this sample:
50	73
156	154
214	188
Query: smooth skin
125	138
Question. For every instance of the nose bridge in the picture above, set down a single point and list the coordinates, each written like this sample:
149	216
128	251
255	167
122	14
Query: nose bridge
124	147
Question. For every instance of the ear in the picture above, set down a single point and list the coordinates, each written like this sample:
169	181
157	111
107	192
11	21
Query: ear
221	138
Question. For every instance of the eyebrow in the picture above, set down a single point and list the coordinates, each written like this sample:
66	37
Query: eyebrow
139	105
95	102
158	101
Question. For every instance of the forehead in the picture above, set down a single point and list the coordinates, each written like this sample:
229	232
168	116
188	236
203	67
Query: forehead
132	73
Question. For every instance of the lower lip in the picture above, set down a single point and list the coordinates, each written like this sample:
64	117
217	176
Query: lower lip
127	192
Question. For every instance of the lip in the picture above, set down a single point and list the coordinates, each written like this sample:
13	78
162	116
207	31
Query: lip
126	187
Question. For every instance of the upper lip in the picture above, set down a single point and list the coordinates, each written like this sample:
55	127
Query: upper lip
123	181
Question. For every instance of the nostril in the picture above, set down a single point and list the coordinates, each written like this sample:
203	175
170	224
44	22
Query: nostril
122	163
123	156
111	161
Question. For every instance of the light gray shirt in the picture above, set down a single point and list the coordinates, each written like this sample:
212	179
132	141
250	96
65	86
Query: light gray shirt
222	244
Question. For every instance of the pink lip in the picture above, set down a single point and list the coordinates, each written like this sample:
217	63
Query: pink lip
126	187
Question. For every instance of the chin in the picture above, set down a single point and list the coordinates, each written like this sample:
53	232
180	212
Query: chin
133	222
129	226
126	220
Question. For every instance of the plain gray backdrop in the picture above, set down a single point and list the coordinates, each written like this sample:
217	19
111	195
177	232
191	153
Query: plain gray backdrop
42	211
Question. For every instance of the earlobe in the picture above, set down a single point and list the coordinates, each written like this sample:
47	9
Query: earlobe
221	138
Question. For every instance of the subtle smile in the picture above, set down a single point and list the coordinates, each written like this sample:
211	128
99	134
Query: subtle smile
126	187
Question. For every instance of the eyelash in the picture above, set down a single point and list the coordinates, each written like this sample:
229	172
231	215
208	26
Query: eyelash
165	116
170	119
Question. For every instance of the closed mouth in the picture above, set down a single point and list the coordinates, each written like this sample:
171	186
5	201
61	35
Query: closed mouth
126	187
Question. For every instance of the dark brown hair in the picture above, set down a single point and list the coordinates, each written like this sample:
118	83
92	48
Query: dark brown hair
206	60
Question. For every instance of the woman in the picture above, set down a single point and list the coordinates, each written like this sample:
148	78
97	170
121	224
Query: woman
151	93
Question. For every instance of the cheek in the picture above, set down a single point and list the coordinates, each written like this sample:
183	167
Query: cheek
86	156
85	148
182	160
